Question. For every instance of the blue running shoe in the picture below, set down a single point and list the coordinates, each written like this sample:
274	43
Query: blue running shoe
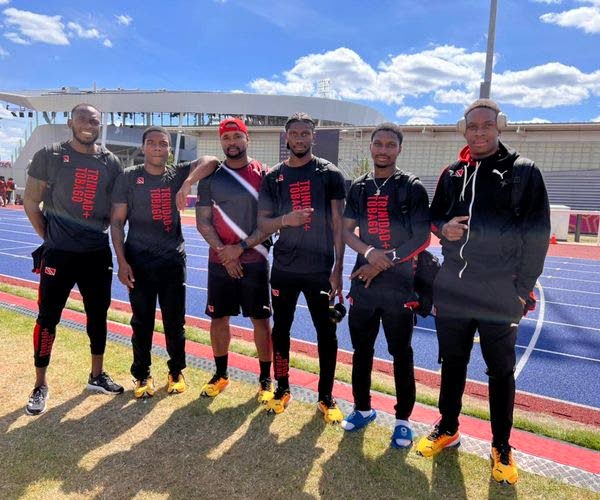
402	438
356	421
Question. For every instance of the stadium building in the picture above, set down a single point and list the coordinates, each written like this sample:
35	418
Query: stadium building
567	153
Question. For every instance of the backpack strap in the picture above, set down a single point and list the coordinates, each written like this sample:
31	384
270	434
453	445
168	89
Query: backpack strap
522	169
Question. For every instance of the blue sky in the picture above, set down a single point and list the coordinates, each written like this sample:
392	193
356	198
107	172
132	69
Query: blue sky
415	61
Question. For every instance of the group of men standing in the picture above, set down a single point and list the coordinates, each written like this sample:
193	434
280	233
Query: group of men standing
493	241
8	189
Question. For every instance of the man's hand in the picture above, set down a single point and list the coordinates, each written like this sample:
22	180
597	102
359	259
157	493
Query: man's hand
455	228
336	282
365	273
297	218
234	269
378	259
125	275
182	194
229	253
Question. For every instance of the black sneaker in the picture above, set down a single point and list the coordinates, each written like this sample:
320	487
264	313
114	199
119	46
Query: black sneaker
103	383
37	401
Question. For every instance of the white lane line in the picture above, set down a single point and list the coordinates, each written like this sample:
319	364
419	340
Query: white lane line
12	231
570	270
536	334
572	305
22	242
575	356
548	322
19	248
568	278
572	291
16	256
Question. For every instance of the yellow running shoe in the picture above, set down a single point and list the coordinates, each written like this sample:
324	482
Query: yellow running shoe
437	440
504	469
281	399
215	386
266	391
144	388
176	386
329	408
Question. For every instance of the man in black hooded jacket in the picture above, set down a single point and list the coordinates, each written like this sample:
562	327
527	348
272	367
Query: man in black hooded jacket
491	212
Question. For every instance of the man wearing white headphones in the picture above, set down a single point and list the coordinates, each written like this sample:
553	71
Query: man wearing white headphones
494	241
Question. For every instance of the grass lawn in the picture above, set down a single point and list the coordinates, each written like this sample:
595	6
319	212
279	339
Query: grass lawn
89	445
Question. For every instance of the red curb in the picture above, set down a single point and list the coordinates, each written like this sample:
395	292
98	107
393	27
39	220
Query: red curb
524	401
556	451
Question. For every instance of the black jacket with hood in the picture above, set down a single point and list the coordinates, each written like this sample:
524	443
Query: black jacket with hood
499	241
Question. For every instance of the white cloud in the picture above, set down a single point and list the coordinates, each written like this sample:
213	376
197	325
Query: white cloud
597	119
4	2
11	132
419	116
80	32
3	52
107	43
548	2
451	75
15	38
36	27
545	86
583	18
533	120
124	19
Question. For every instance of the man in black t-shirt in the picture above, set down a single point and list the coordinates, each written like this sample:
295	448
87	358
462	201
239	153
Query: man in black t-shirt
303	199
152	258
391	210
74	180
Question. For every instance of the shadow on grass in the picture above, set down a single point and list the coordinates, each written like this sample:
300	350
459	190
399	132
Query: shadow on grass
389	475
230	452
50	447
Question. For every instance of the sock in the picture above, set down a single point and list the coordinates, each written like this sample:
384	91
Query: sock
221	362
265	369
365	413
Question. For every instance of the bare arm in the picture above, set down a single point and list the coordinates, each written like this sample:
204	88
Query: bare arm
268	224
33	196
201	168
208	232
118	217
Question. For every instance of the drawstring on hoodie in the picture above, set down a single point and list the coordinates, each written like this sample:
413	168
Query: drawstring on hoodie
466	181
462	198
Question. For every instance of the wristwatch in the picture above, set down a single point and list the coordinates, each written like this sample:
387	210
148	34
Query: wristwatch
243	244
393	256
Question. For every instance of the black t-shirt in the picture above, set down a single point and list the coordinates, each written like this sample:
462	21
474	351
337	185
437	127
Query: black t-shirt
383	225
154	236
309	248
77	199
232	194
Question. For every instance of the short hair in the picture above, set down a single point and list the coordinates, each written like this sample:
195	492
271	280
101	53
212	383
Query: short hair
483	103
156	128
300	117
389	127
82	105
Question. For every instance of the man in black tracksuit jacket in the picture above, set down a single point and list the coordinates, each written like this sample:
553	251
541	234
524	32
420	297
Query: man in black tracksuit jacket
494	248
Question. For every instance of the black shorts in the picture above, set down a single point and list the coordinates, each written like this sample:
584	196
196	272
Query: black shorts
227	295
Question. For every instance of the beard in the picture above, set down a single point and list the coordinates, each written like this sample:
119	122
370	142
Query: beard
381	165
240	153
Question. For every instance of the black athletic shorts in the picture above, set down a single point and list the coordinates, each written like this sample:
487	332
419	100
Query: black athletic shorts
227	295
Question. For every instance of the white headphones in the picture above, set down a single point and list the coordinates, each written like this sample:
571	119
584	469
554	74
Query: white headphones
501	119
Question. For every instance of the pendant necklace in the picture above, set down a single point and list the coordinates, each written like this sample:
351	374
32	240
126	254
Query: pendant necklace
379	188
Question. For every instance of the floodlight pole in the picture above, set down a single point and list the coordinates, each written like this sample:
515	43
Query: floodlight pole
486	85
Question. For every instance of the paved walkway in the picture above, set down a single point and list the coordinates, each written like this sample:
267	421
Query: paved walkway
546	457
